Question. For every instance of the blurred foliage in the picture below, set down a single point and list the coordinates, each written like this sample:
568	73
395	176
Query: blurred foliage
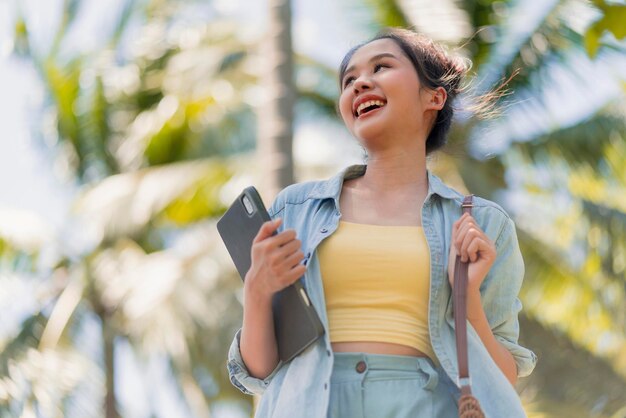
152	130
387	13
157	129
612	20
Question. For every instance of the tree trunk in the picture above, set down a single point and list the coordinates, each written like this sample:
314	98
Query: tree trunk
108	337
275	114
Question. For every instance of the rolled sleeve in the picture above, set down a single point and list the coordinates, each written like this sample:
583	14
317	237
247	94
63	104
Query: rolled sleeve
507	335
499	293
525	359
239	374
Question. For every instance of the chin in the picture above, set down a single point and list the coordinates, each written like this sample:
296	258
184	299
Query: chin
371	143
369	135
368	128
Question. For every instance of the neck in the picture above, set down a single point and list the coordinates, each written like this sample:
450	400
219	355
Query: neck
396	170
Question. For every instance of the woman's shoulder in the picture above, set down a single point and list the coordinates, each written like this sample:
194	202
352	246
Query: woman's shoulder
480	205
490	207
299	193
455	198
491	216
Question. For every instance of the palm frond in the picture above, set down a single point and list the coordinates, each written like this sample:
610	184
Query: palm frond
570	93
512	34
444	21
583	143
121	24
70	10
387	13
23	237
125	204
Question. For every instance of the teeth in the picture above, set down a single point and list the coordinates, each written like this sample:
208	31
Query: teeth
368	104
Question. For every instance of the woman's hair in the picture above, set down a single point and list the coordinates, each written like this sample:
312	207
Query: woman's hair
435	68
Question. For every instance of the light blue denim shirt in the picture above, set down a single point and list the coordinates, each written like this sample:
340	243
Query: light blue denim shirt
300	388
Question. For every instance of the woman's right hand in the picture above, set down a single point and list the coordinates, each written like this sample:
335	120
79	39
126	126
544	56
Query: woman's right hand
275	260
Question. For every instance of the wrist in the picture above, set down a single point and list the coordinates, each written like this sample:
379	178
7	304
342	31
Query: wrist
475	310
254	293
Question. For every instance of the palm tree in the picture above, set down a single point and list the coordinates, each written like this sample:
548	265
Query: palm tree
276	113
154	141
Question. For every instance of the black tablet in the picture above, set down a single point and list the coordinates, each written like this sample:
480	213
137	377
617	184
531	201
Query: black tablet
296	322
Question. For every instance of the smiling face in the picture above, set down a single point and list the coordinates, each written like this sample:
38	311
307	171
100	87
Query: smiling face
381	94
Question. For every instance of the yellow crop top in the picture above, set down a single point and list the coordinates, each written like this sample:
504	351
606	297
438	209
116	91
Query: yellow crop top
376	284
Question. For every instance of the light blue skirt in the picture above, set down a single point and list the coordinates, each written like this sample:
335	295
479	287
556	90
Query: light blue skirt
387	386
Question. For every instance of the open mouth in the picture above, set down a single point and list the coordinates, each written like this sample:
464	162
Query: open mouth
368	106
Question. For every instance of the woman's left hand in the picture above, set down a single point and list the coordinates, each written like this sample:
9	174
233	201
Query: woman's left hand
472	244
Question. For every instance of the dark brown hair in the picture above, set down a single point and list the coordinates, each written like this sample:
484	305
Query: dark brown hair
434	67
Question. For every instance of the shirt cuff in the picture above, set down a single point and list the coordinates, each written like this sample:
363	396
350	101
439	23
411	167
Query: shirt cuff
524	358
239	374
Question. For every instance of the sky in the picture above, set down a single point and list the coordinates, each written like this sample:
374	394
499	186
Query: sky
25	181
30	180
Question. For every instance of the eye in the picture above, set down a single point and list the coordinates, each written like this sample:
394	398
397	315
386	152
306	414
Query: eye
379	67
347	81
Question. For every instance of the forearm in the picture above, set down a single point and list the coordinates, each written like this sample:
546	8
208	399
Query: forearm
258	341
501	356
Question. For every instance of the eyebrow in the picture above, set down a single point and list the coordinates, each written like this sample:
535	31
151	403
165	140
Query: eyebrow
374	58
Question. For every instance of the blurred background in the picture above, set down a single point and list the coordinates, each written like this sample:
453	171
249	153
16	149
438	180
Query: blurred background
128	126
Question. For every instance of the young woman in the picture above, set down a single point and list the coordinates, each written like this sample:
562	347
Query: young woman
375	246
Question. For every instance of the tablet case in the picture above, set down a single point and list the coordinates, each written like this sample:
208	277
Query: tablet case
296	322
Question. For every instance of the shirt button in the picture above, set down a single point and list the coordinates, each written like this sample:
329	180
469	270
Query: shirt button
324	230
328	352
361	367
325	386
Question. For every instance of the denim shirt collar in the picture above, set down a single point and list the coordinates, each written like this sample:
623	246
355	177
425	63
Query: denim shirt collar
331	188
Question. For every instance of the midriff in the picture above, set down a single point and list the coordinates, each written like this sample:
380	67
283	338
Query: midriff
375	347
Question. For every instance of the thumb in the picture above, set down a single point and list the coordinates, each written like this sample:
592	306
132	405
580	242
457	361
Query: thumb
267	229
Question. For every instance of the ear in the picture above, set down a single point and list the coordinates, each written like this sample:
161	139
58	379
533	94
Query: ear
436	98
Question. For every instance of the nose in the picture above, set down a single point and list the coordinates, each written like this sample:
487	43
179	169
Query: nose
361	83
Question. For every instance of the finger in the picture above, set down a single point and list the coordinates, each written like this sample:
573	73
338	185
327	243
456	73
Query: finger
267	229
472	250
293	260
283	238
291	275
460	234
288	248
465	220
468	223
475	248
458	225
453	251
468	237
276	256
458	222
294	274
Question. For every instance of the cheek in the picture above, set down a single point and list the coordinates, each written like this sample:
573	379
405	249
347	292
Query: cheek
345	107
407	103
